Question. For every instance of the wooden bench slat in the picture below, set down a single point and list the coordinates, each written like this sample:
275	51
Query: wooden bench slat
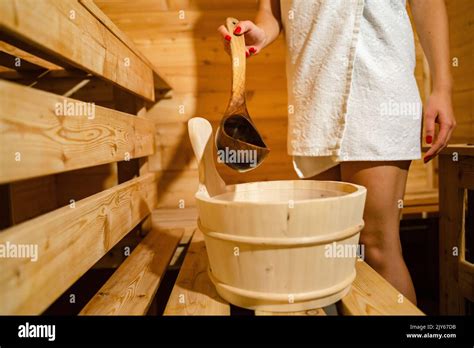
193	293
159	82
26	56
69	242
50	144
170	218
131	289
76	38
373	295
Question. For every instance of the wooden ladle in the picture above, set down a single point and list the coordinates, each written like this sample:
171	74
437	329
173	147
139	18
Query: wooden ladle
237	131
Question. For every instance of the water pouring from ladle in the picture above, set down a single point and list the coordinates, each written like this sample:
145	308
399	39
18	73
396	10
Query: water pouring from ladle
240	145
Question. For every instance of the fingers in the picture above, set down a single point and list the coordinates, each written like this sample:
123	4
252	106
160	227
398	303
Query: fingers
240	29
224	33
430	118
243	27
253	50
446	127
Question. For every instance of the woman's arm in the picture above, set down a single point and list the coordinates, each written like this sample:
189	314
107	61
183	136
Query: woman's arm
263	32
431	23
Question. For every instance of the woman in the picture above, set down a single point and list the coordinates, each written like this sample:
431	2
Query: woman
355	110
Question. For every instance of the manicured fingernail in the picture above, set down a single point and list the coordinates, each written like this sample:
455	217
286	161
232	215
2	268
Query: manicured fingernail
252	50
237	30
429	139
427	159
227	37
247	54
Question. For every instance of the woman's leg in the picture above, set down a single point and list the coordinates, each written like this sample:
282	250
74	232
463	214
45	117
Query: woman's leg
385	183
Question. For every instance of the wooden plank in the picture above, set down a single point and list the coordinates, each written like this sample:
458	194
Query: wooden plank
49	144
146	23
420	202
16	63
309	312
459	149
189	79
133	286
461	48
69	241
174	50
450	225
373	295
90	46
262	105
193	292
158	81
121	7
26	56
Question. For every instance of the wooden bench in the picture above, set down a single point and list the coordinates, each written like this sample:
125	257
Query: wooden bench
71	186
194	294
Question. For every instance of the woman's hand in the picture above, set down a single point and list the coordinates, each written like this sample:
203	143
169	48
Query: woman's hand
438	109
255	37
433	33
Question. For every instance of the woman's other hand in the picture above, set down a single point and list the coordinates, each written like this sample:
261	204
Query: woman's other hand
438	109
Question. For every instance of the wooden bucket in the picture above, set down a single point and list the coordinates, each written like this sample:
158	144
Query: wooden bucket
276	245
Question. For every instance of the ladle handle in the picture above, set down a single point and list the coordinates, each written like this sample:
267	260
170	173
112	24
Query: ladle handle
200	134
237	49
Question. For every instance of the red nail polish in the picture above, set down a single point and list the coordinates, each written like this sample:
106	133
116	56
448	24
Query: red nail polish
237	30
427	159
227	37
247	54
252	50
429	139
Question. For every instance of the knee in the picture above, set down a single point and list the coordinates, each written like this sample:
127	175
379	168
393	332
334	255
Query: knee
380	251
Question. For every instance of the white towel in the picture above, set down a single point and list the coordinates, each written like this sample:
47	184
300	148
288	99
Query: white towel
348	62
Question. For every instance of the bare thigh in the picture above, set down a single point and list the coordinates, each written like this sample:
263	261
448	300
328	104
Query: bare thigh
385	182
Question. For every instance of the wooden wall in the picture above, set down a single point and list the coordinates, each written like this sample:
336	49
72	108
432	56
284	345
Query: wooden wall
180	38
461	35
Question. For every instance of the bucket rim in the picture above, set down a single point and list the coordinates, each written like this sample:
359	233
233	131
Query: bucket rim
204	197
